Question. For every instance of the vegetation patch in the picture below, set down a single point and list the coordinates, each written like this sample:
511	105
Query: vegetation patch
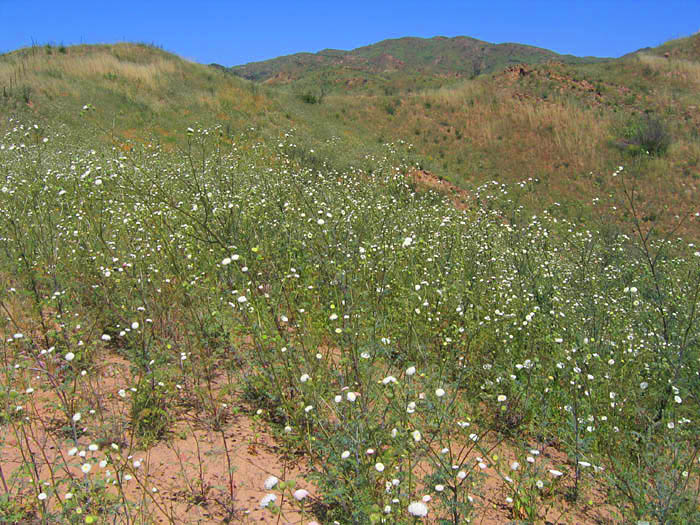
420	361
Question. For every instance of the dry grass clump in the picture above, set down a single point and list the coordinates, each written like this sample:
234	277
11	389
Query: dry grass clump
683	69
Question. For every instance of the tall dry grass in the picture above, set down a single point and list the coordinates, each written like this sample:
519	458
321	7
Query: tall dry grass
457	95
678	68
564	127
40	69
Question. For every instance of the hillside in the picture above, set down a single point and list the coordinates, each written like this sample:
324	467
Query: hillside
687	48
458	57
129	94
132	91
566	125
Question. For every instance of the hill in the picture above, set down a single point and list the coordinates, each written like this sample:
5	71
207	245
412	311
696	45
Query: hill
681	48
135	90
566	125
458	57
131	94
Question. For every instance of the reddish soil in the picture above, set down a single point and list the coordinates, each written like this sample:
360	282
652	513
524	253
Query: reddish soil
458	196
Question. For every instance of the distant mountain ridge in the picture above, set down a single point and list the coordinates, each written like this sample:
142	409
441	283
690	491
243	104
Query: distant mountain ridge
459	56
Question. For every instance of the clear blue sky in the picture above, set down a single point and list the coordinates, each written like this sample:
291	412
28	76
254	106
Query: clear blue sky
235	32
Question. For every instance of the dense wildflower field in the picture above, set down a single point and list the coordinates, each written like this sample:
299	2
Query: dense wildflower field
415	363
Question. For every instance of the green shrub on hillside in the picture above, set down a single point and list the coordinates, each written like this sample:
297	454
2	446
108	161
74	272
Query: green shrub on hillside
646	135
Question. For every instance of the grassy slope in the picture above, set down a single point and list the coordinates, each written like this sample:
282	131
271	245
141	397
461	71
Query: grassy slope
136	90
686	48
559	123
567	124
139	93
339	284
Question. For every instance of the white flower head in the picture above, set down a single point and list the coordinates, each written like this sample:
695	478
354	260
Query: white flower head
300	494
267	499
271	482
418	509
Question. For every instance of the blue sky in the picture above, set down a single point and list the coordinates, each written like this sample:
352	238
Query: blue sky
236	32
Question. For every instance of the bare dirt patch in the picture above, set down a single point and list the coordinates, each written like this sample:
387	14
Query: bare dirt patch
184	477
459	197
